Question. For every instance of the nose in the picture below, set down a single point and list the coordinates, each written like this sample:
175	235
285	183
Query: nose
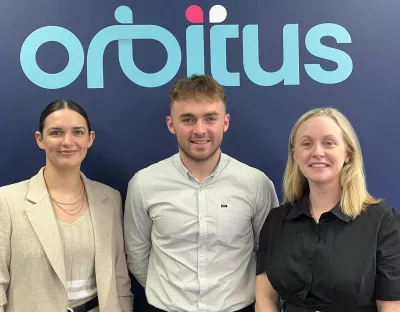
318	150
199	128
67	140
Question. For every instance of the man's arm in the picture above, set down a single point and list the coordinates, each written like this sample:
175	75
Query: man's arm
137	229
266	200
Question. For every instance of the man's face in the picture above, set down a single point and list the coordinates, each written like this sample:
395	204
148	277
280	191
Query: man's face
199	126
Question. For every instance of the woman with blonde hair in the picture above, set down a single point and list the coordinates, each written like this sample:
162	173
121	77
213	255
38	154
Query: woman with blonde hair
330	246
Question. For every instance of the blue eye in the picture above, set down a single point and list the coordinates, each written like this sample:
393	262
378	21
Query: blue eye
55	133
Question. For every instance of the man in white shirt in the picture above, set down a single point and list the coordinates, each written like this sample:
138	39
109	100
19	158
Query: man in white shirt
192	221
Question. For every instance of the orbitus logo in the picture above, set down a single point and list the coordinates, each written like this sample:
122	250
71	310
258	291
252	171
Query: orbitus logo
126	32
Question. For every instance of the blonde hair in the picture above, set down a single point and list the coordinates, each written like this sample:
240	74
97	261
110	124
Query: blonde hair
355	197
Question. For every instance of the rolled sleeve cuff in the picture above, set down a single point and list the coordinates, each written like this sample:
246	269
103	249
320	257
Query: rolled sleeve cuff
261	261
387	290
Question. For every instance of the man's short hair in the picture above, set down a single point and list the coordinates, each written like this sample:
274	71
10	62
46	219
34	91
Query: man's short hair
197	87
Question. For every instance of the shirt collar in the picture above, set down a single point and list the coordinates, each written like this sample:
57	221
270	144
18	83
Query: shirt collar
223	161
337	211
301	207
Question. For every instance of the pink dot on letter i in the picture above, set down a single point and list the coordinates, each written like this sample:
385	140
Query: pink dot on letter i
194	14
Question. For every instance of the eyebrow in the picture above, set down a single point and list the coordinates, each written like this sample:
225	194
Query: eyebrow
325	136
211	114
58	128
214	113
183	115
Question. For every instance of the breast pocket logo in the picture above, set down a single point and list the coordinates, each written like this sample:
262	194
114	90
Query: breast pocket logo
126	33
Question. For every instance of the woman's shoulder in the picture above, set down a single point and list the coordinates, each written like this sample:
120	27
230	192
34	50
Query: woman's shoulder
383	211
280	211
103	188
381	216
18	189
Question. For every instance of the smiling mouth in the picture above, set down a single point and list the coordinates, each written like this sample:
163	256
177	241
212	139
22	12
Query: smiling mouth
67	152
319	165
200	142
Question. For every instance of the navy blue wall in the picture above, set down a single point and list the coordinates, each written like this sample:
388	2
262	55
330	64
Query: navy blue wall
359	75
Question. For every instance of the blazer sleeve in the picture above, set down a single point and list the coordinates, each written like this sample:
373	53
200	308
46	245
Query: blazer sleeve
5	250
125	296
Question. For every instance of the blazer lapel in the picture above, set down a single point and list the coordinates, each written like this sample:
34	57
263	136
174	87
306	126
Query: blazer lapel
102	219
41	216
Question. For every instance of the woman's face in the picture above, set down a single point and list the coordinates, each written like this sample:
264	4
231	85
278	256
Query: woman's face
320	151
65	138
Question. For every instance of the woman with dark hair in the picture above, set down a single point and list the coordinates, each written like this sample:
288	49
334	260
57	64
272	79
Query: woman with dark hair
61	243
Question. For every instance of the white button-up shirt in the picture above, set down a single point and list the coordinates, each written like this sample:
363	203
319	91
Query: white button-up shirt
191	244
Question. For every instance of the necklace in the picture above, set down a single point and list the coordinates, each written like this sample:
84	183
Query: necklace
68	212
69	203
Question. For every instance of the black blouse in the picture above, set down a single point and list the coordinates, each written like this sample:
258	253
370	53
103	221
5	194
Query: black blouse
339	263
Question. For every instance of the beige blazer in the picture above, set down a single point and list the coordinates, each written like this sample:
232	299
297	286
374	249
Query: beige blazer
32	271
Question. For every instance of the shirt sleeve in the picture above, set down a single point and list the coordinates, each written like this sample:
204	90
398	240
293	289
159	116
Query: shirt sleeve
264	243
387	283
137	230
266	200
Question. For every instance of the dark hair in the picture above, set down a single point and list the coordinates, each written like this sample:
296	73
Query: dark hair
62	104
197	87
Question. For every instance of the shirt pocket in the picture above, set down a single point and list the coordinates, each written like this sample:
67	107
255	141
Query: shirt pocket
234	222
174	218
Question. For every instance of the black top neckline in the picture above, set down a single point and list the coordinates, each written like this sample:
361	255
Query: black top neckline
301	207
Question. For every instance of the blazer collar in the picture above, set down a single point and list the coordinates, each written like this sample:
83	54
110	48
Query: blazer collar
41	216
102	214
37	190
